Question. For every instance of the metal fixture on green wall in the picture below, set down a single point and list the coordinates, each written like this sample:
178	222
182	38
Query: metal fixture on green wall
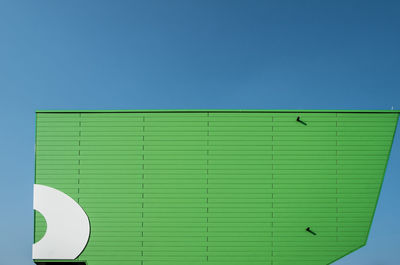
302	122
216	187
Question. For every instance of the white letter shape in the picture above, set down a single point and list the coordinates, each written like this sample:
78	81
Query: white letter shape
68	226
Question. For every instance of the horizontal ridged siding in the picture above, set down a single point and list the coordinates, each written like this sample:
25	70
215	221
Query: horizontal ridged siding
217	188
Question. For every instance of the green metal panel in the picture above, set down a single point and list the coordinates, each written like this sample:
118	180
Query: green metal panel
217	187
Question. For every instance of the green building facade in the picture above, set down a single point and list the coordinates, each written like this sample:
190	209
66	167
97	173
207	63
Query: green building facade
216	187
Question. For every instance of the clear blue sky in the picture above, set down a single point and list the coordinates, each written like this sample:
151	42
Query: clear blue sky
299	54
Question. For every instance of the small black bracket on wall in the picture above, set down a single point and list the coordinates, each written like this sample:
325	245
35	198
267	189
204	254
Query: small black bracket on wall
302	122
310	231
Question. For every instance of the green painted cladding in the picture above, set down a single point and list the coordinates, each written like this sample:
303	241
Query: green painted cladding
217	187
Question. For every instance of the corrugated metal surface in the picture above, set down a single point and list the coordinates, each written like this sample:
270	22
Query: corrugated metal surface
233	188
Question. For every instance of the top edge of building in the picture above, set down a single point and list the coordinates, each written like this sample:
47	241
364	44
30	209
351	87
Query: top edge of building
216	110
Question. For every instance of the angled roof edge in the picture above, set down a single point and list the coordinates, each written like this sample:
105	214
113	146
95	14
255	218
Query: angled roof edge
216	110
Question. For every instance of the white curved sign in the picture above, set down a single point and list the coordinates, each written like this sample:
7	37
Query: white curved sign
68	226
